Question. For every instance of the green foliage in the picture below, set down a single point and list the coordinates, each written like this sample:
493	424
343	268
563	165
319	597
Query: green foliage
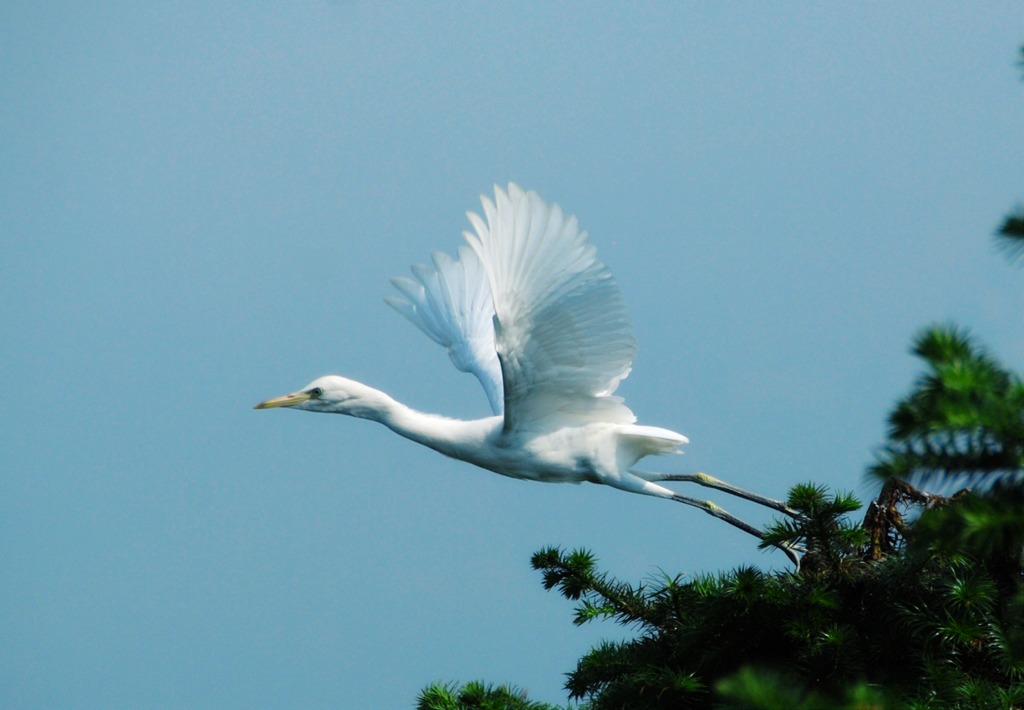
822	528
476	696
752	689
963	423
927	630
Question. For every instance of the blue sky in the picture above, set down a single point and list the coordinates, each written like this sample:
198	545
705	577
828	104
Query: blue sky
201	208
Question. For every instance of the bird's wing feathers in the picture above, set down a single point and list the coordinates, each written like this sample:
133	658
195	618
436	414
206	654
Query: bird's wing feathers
451	302
562	333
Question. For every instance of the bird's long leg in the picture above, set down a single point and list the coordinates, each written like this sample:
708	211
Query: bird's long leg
718	484
722	514
637	484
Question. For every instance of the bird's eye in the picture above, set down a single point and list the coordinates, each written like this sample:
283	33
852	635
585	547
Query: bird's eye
315	392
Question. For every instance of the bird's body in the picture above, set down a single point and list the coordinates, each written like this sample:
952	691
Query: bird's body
528	309
594	452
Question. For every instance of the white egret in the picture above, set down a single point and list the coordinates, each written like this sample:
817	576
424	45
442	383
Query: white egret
529	310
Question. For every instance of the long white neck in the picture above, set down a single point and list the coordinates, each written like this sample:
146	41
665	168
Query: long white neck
453	437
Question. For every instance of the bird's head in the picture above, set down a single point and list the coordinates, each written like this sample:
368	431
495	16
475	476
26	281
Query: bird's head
326	394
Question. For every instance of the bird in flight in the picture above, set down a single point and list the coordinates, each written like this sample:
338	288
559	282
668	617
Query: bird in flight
528	309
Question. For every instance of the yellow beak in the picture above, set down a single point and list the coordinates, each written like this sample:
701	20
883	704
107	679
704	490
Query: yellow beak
288	400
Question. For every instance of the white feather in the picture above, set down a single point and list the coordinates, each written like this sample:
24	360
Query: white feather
451	303
562	333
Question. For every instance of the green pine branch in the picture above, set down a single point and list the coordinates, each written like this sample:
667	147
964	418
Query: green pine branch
963	422
476	695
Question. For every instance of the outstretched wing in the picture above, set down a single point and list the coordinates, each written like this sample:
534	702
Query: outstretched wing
451	303
561	330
